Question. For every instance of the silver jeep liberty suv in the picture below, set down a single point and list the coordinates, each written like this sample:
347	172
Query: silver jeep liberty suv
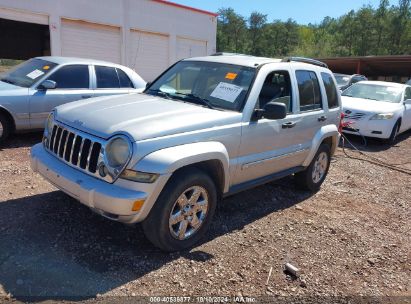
206	128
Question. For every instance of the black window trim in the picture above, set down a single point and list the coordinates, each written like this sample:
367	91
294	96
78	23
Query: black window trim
321	108
58	68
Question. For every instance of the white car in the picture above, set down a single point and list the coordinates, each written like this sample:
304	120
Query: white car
377	109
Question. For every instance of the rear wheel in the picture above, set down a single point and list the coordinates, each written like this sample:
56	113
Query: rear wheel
312	177
183	211
5	128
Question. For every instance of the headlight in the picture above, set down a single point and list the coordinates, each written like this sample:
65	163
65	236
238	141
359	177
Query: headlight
49	123
382	116
118	152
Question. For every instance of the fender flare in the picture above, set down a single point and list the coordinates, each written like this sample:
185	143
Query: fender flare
323	133
168	160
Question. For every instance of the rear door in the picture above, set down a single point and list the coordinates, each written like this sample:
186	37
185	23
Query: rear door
72	83
111	81
312	113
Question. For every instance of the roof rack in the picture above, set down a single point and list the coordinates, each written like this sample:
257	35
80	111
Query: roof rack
305	60
228	54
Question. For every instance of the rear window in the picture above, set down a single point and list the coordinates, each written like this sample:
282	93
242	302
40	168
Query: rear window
331	90
125	81
309	90
107	78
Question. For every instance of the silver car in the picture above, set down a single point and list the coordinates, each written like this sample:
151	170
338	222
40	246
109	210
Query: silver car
32	89
207	128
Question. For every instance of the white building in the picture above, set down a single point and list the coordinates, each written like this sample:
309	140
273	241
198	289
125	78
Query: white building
146	35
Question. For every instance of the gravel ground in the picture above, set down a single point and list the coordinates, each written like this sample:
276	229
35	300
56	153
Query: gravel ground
352	238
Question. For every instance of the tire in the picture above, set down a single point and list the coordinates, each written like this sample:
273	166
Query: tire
394	133
159	228
314	175
5	128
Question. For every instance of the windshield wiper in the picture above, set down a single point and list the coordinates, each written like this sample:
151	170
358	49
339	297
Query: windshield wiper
197	98
161	93
8	81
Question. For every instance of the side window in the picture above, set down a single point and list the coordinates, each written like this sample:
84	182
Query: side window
107	78
309	90
125	81
331	90
356	79
71	77
407	93
277	88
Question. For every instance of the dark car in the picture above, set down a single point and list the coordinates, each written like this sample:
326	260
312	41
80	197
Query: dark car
344	81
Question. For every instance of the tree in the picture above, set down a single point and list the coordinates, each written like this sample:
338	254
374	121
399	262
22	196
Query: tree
257	22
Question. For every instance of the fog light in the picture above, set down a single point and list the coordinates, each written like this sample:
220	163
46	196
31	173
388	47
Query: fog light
102	170
140	177
137	205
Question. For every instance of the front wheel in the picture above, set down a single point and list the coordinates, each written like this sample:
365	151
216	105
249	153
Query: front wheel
183	211
314	175
5	128
394	133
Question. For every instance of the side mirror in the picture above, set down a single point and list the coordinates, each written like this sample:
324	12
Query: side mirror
273	110
47	85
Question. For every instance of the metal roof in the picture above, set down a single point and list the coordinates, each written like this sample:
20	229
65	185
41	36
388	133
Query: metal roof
371	65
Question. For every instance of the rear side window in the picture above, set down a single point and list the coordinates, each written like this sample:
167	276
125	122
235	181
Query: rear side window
331	90
407	94
71	77
125	81
107	78
309	90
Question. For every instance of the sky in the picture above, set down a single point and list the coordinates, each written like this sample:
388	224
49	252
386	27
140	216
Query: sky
302	11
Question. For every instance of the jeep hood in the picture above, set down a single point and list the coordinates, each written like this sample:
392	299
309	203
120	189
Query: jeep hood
140	116
367	105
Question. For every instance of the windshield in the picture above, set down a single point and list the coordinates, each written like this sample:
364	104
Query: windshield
342	80
28	72
374	92
215	85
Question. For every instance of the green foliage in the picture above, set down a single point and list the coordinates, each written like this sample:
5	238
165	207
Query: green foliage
385	30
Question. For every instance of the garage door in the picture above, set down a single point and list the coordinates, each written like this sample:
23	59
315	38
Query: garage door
149	53
23	16
89	40
187	48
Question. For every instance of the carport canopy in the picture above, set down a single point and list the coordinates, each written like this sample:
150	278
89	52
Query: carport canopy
371	66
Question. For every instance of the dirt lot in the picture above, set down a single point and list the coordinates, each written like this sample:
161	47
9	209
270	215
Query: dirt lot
351	238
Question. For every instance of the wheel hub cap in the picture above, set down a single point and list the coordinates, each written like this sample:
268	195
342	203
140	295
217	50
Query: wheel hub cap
188	213
320	167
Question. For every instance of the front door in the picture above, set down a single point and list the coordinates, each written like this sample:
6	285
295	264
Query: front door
72	83
270	146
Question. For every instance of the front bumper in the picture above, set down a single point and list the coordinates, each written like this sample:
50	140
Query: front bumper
114	201
370	128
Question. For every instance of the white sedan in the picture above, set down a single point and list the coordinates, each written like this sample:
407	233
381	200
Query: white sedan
377	109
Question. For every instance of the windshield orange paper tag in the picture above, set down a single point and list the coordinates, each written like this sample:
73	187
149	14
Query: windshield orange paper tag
231	76
46	67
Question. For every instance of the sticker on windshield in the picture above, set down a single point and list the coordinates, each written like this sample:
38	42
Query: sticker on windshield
231	76
35	74
46	67
226	91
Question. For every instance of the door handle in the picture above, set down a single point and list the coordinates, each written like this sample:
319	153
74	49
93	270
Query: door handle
86	96
322	118
289	125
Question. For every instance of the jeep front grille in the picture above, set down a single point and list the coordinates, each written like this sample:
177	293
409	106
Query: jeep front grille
79	150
